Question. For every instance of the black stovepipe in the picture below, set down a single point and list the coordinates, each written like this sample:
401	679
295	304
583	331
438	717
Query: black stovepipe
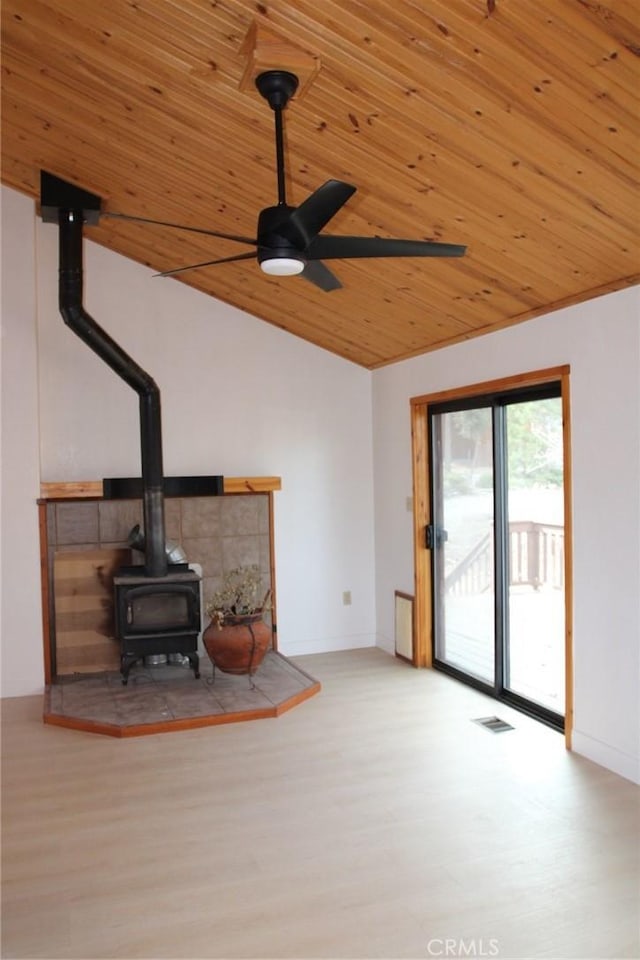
82	324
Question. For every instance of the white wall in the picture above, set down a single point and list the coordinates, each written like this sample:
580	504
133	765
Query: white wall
239	397
600	340
20	609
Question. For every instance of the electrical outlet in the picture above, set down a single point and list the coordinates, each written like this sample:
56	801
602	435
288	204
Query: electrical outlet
346	598
409	504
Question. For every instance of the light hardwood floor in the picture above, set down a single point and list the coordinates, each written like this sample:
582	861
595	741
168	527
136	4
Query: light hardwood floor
375	820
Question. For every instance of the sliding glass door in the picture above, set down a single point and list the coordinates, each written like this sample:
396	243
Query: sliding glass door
497	546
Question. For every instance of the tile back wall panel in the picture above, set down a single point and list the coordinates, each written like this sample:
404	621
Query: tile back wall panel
201	517
217	533
117	517
77	522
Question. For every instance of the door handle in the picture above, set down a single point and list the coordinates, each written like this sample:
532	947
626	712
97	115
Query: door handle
434	536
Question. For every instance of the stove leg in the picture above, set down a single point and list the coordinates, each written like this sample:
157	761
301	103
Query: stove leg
194	661
127	660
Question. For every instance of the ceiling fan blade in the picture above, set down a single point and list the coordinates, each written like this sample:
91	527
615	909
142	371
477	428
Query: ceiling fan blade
316	211
180	226
321	276
208	263
337	248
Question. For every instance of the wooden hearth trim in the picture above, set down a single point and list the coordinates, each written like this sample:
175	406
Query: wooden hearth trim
92	489
45	592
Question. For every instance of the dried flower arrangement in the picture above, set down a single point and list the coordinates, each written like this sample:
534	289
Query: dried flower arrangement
239	596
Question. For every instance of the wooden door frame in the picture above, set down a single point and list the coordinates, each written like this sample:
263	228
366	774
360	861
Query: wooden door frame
422	510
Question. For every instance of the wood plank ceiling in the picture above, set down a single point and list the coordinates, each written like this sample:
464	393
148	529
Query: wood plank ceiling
509	126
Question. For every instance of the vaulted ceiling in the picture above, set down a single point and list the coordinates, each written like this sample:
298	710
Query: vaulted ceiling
509	126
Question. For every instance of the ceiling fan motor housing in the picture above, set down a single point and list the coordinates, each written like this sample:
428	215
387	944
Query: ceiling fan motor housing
274	224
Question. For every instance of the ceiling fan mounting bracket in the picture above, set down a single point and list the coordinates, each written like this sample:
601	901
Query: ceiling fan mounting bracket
264	49
277	87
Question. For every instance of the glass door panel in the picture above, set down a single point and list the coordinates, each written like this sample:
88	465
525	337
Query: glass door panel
535	651
497	546
462	541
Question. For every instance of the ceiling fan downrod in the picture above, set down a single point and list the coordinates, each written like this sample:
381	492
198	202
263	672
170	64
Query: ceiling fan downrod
277	87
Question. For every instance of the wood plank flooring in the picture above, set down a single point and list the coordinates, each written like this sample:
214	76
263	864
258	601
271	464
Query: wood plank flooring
377	820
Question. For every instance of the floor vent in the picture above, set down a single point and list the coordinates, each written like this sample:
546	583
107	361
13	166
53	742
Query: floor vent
494	723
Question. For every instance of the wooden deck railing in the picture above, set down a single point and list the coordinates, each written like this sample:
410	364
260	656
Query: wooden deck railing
536	558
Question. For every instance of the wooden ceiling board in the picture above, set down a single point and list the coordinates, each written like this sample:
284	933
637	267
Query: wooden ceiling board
516	196
480	83
475	149
515	132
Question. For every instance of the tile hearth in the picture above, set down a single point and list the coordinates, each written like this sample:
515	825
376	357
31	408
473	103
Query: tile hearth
168	697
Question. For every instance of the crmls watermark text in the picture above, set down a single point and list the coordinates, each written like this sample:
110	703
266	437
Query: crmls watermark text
459	947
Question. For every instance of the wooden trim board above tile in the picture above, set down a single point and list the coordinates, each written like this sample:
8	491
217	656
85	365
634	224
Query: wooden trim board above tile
92	489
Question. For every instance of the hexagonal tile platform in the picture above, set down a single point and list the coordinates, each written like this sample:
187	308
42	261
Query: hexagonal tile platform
165	698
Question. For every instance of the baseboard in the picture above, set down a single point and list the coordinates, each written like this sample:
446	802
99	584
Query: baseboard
327	645
624	764
384	643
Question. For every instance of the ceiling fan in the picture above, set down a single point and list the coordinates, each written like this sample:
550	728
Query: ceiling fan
288	239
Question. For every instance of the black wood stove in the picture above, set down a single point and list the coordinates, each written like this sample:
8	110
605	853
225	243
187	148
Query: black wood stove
159	615
157	606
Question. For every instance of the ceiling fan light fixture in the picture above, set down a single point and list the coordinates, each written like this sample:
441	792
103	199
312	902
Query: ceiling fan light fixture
282	266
